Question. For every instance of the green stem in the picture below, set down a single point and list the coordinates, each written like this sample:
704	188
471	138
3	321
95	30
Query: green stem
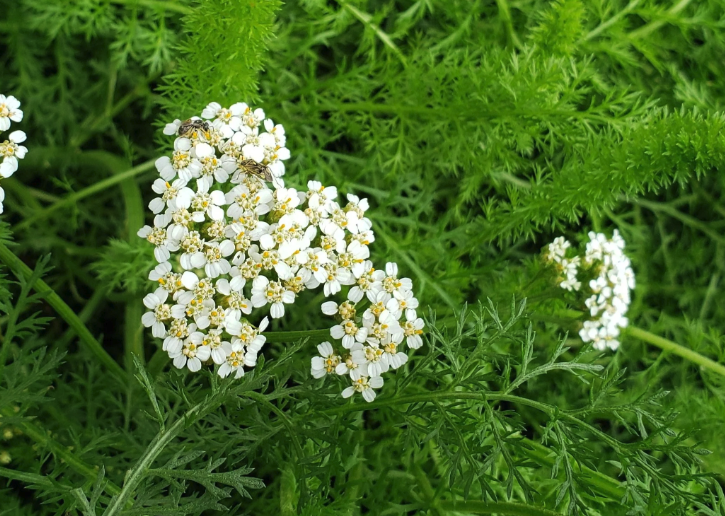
614	19
427	489
85	314
675	348
88	191
133	331
63	310
604	484
479	507
504	14
28	478
367	20
293	336
288	491
653	26
162	439
159	359
157	4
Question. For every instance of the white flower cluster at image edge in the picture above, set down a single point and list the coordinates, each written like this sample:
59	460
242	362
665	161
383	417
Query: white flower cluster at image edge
10	150
228	245
610	287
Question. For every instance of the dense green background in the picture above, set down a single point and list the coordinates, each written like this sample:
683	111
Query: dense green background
480	130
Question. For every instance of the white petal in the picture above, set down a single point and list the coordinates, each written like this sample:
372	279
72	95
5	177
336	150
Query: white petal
325	349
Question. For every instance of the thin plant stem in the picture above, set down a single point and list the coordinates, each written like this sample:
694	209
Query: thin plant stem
673	347
88	191
65	312
136	474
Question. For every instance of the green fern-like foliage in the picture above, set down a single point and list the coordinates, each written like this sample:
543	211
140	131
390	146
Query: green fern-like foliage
222	63
479	131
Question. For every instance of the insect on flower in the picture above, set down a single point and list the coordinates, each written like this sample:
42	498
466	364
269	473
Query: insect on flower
259	170
193	125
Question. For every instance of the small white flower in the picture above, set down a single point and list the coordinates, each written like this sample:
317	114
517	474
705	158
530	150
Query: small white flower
368	283
11	151
168	192
178	332
365	386
349	332
250	335
354	364
333	277
182	162
357	206
234	360
202	203
9	111
231	117
234	295
326	362
319	197
272	292
161	239
191	356
394	357
241	200
211	340
392	283
159	314
377	359
215	255
413	329
168	280
285	200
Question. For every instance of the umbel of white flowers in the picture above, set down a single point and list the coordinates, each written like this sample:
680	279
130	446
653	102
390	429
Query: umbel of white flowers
10	149
609	288
229	245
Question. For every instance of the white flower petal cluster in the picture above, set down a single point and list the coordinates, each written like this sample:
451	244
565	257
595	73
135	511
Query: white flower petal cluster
371	343
10	149
611	289
612	280
232	249
567	268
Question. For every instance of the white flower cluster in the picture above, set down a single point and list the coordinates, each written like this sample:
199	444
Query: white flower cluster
370	343
10	150
227	243
610	290
612	279
567	268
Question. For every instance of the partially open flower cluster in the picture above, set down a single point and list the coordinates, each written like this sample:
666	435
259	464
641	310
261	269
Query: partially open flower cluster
10	150
227	244
610	280
567	268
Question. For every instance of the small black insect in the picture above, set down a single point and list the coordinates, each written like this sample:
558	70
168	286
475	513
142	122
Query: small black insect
192	125
250	166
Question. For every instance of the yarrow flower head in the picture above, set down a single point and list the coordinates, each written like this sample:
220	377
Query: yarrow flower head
566	268
235	247
608	278
10	149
